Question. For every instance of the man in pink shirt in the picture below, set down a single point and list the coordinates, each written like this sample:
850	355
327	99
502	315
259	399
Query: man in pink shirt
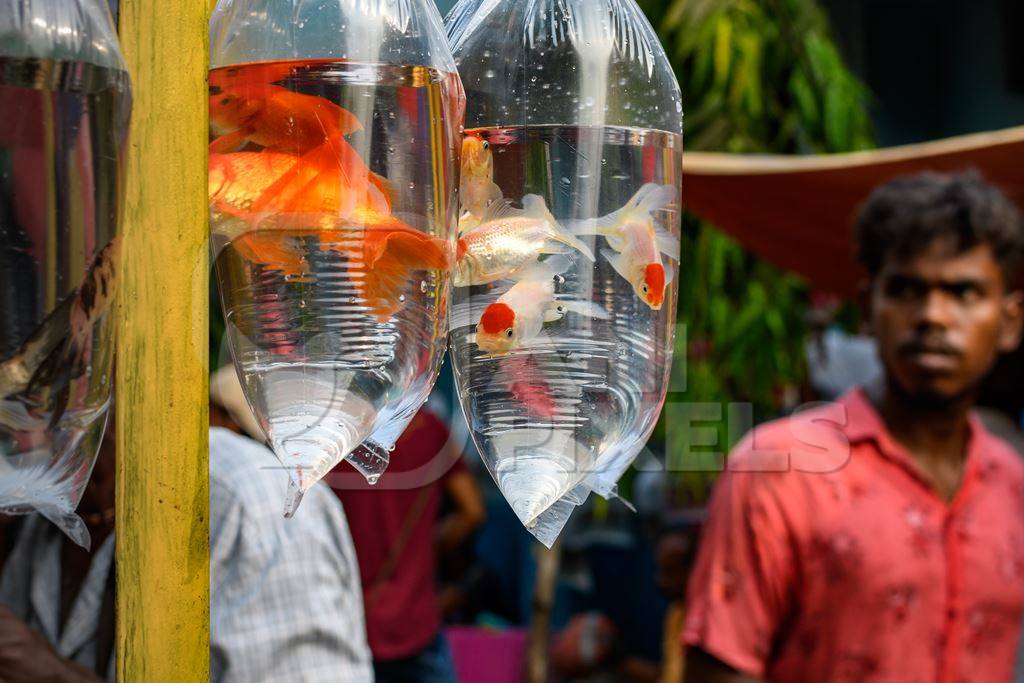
881	538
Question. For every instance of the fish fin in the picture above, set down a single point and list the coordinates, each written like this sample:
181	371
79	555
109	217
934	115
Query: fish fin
330	174
286	192
554	247
535	207
615	259
391	254
417	250
582	227
588	309
348	122
501	208
229	142
387	188
667	244
272	251
544	270
652	197
670	273
467	221
552	314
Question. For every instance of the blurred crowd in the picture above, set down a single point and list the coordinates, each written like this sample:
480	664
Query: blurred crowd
877	535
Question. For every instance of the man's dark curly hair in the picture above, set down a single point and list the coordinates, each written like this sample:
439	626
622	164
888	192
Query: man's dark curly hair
905	216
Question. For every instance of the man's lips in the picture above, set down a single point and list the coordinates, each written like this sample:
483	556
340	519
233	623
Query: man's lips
931	356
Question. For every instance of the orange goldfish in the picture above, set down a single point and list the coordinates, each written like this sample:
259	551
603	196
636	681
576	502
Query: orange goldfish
637	243
277	118
253	185
477	190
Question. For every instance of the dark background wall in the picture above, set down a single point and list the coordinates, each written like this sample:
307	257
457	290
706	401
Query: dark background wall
936	67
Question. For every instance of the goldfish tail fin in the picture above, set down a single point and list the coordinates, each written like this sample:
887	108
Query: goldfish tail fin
229	142
535	207
616	261
391	253
386	187
271	251
667	244
648	199
587	309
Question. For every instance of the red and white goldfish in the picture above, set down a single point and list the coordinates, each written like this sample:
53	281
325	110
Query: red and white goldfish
509	240
637	243
477	190
519	315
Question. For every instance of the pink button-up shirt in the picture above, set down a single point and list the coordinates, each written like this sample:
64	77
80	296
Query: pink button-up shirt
827	557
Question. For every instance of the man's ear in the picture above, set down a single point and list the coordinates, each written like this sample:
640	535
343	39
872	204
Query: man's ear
1013	321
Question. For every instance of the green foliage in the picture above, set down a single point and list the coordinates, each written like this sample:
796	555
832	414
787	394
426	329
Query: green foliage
758	76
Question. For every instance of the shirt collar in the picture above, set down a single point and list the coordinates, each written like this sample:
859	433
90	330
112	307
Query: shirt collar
863	423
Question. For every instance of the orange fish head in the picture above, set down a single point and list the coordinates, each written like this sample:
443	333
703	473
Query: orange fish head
229	109
476	156
652	285
496	331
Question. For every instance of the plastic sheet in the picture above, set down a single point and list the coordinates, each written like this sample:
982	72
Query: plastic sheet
332	170
65	103
564	306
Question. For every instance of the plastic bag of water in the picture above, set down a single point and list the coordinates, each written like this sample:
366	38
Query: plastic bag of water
565	281
333	131
65	101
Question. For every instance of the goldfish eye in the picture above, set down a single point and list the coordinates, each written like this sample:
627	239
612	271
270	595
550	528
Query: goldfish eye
644	289
227	100
486	145
560	309
508	333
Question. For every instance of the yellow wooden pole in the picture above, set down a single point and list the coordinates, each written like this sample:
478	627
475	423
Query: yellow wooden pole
162	377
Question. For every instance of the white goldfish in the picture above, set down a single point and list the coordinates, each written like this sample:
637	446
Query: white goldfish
477	189
519	315
637	243
509	240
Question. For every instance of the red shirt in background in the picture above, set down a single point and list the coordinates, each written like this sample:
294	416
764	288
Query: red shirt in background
841	563
404	616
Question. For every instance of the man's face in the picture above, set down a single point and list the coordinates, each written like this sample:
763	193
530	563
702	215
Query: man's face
941	318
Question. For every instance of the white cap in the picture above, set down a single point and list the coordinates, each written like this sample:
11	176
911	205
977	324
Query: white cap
226	392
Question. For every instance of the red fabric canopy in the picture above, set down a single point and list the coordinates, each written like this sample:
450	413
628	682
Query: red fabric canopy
798	211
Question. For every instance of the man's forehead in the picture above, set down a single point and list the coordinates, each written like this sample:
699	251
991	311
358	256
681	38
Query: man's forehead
943	260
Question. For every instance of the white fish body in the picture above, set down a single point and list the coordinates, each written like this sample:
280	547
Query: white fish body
637	242
518	316
511	240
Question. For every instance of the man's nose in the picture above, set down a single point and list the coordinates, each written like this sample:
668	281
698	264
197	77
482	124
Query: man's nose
935	310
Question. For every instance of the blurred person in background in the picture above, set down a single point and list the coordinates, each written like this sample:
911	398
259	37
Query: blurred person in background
880	538
399	533
285	601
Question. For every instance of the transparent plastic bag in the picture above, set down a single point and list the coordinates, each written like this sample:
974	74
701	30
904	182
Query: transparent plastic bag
332	166
65	102
565	285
